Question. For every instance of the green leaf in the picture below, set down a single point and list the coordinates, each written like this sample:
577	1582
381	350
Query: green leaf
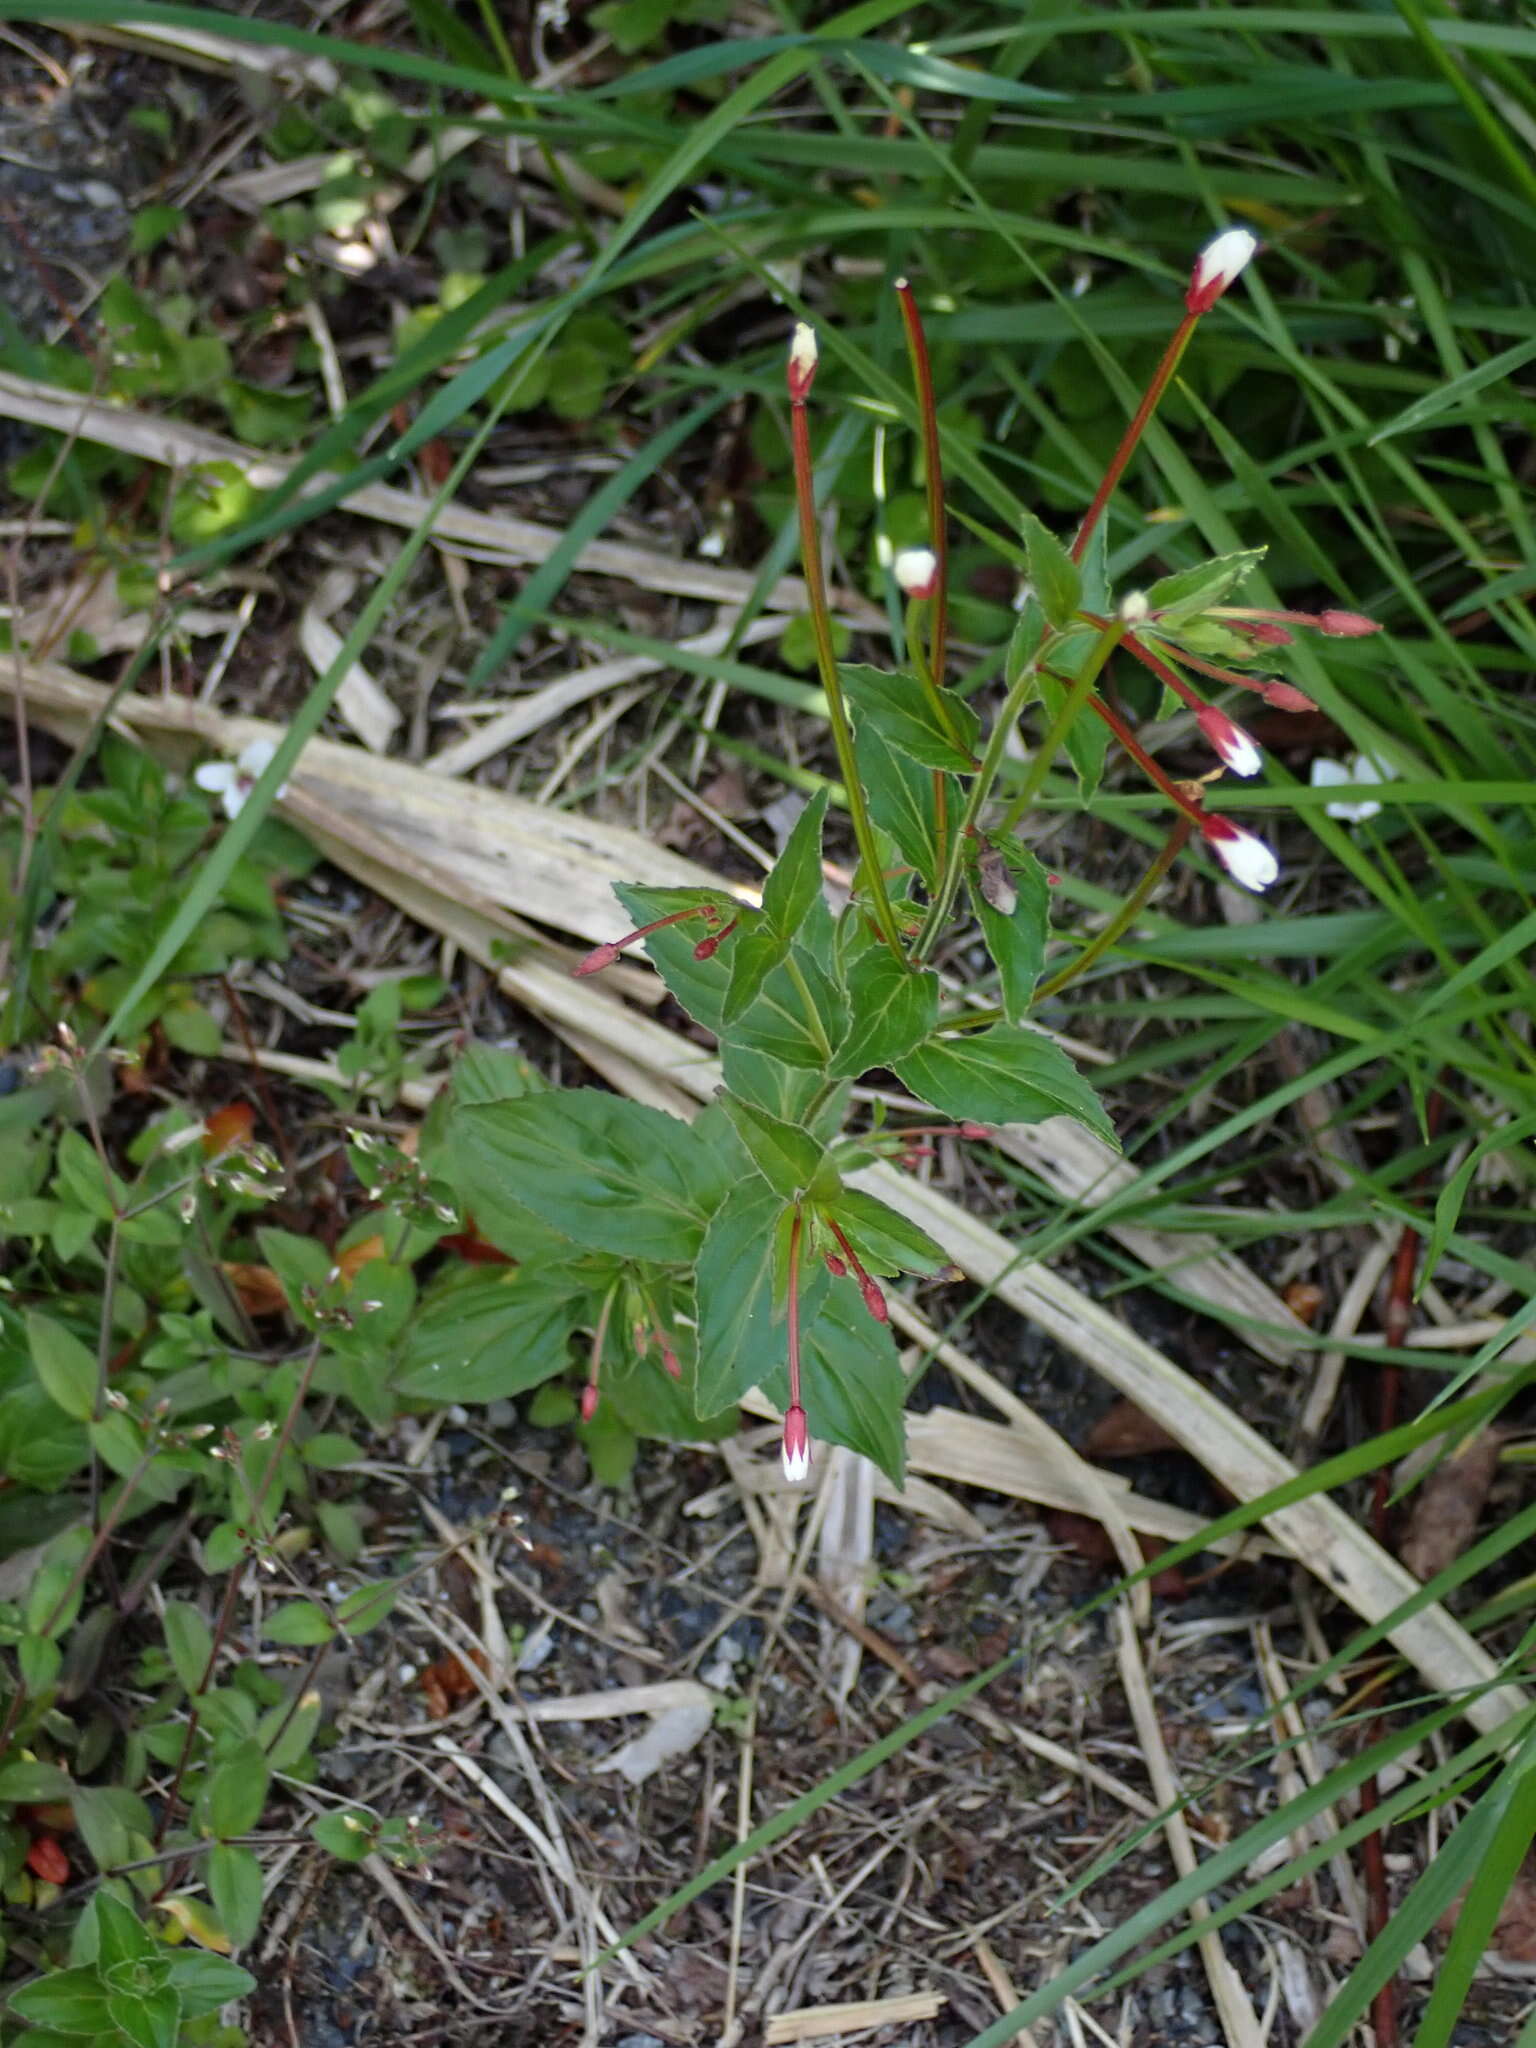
795	883
286	1731
84	1180
40	1660
852	1383
121	1936
65	1369
490	1073
347	1836
883	1239
1003	1075
901	797
909	718
204	1982
1015	939
112	1821
366	1606
34	1784
790	1022
236	1790
753	951
893	1010
1087	738
483	1339
611	1174
1186	594
1052	571
788	1158
234	1880
146	2019
189	1641
742	1329
699	985
298	1623
68	2002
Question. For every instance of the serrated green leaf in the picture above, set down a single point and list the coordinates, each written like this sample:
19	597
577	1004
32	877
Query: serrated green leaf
741	1327
1015	939
1087	739
65	1369
67	2001
613	1175
788	1158
893	1009
851	1382
146	2019
753	951
1052	572
1189	592
910	719
885	1241
204	1983
478	1338
1003	1075
900	795
795	882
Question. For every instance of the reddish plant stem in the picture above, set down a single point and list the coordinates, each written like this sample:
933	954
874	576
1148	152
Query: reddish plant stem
796	1225
1133	433
928	413
1138	753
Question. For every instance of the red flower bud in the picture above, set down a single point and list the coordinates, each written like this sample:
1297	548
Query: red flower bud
796	1448
835	1266
1347	625
874	1300
599	958
588	1401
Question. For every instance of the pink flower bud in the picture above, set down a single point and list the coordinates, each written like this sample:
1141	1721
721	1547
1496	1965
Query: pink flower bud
969	1130
1347	625
796	1448
802	360
916	571
599	958
1246	859
1217	265
835	1266
1232	745
588	1401
874	1300
1266	631
669	1362
1286	697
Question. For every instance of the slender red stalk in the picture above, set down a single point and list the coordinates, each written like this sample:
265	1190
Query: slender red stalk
796	1225
1133	433
1138	753
928	414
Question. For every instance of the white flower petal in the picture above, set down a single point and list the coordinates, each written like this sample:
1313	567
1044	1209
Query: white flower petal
257	758
214	775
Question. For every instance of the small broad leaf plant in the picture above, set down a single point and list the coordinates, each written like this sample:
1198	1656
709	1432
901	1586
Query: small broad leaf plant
700	1261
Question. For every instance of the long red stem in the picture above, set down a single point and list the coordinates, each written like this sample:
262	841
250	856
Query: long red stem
1134	432
796	1224
928	413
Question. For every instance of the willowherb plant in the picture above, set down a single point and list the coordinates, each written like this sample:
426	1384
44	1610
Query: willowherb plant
707	1259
